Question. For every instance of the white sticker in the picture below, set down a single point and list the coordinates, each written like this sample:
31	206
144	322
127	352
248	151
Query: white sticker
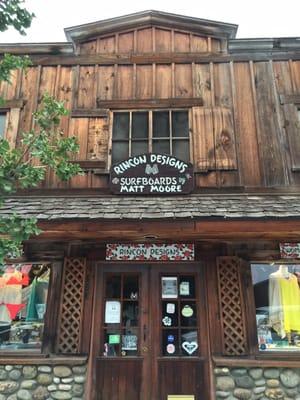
170	349
170	308
167	321
184	289
190	347
112	312
169	288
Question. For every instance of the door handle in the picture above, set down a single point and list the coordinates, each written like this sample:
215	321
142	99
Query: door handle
145	333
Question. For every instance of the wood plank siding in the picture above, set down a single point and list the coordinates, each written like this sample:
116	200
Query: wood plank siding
242	133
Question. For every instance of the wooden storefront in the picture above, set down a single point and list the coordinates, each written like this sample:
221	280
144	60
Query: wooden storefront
161	84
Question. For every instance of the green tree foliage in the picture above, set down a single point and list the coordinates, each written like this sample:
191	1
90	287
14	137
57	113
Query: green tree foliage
24	167
44	147
12	14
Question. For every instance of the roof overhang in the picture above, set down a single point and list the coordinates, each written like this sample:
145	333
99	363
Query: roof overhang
151	17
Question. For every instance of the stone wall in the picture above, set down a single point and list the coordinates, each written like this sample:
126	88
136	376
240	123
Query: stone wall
42	382
257	383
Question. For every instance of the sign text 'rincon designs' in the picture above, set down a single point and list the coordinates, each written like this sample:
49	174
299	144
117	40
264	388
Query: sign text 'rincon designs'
152	174
147	251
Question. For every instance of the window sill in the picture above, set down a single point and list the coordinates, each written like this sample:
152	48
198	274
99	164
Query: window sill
40	359
269	360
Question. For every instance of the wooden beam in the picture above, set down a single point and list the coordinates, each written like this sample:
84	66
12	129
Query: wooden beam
95	112
168	231
150	103
8	104
165	58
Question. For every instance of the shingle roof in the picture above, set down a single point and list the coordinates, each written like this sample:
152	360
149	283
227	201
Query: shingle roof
190	206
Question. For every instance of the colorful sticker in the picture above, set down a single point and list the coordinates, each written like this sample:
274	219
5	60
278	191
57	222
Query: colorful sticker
113	339
187	311
170	349
171	338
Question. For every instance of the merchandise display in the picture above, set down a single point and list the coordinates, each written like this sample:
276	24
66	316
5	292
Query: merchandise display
23	299
277	298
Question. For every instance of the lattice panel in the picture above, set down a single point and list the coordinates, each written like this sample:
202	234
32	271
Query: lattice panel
231	306
71	309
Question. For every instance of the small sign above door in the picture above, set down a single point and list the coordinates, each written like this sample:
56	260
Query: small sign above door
290	250
147	251
152	174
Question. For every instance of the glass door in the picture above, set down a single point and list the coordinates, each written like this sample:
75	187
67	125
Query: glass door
121	323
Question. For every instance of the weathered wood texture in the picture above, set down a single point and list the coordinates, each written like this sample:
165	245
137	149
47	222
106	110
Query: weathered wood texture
245	126
150	39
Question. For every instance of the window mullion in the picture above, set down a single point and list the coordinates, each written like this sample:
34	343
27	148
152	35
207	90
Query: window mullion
170	132
130	133
150	132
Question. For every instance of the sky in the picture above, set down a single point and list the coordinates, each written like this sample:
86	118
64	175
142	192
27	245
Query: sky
256	18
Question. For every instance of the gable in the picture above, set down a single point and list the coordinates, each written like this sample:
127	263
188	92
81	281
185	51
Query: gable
151	40
151	32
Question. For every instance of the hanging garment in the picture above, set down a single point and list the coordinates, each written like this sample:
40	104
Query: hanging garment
276	316
290	295
38	295
13	309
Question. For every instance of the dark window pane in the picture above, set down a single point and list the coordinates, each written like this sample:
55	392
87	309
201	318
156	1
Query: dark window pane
189	342
120	151
140	126
181	149
161	125
130	341
131	287
180	124
161	146
170	343
139	148
130	313
188	314
187	287
121	126
2	124
113	287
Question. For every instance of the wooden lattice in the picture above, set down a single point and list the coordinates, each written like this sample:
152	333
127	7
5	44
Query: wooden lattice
71	308
231	306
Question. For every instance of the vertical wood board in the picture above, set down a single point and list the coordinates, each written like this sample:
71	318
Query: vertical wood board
163	79
183	80
204	142
144	81
269	130
246	134
144	40
106	80
163	40
87	88
125	82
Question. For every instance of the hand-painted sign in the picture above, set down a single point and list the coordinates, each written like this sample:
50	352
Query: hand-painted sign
290	250
152	174
148	251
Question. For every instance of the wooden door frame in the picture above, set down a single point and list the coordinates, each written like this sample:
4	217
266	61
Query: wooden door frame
155	269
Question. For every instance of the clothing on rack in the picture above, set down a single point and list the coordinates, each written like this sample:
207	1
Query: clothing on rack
284	302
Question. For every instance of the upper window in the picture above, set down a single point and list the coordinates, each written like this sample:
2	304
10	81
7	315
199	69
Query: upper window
277	302
138	132
2	124
23	300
